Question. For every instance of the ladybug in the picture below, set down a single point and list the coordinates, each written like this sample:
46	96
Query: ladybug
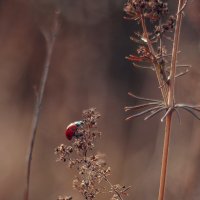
71	130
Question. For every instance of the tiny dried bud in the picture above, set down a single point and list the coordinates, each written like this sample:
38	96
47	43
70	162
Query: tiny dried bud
108	170
69	149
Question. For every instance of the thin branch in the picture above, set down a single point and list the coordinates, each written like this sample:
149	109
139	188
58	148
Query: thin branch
164	89
178	115
182	73
166	55
167	113
184	66
144	99
127	108
143	112
191	112
154	113
187	105
50	44
112	187
142	67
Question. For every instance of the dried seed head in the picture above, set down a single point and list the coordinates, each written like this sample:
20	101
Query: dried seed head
91	168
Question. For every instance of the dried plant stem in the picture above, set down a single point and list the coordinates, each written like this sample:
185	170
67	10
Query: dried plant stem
165	156
174	55
170	102
50	40
157	67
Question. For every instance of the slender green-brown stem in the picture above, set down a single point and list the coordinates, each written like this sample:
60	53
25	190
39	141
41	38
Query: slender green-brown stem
50	40
170	102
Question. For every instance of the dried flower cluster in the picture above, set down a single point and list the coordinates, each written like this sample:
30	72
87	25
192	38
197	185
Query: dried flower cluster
151	48
92	170
153	9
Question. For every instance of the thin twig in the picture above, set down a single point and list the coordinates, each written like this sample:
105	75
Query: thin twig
167	113
187	105
50	40
182	73
144	112
191	112
154	113
142	98
178	115
112	187
127	108
143	67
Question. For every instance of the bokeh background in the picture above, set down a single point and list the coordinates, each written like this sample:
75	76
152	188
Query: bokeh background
88	69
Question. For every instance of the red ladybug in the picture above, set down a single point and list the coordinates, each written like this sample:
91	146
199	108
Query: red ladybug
71	130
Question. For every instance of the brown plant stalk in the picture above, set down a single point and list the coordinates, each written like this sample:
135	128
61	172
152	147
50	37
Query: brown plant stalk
152	51
170	101
162	85
50	41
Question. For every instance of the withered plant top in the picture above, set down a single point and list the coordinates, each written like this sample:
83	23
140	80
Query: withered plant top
91	169
156	29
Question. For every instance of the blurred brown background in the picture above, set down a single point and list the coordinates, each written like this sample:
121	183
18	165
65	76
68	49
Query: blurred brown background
88	69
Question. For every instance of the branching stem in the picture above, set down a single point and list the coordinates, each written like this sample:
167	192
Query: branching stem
162	85
112	187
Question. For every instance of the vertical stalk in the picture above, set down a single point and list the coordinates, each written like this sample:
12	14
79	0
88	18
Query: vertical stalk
174	54
170	102
165	156
50	41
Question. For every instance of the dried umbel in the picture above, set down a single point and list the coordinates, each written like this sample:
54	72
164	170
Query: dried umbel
154	12
152	9
91	168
